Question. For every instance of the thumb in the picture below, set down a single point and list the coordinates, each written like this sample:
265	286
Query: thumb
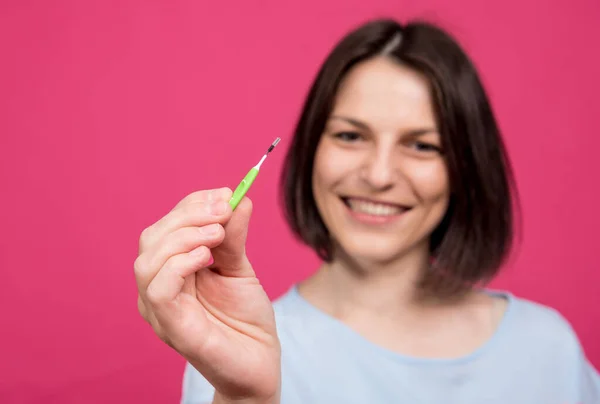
230	256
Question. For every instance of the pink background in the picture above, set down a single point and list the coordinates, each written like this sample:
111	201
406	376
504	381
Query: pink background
112	111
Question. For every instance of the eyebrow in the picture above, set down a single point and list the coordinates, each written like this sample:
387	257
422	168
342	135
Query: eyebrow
364	126
353	122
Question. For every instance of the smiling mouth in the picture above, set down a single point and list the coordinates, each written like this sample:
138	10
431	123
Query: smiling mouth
369	207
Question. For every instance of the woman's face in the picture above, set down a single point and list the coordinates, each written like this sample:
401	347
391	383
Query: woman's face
380	181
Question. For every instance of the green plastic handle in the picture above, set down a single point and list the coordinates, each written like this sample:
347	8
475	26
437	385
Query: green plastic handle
241	189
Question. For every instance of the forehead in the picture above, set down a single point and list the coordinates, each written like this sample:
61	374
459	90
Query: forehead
382	91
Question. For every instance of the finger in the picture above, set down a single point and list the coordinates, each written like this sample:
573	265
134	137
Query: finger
144	311
193	214
196	213
151	319
230	255
148	315
180	241
169	281
205	195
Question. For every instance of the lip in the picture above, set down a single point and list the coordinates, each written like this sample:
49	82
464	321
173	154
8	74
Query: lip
358	198
366	218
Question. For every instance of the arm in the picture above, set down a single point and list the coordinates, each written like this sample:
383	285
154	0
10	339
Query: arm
197	390
222	400
588	382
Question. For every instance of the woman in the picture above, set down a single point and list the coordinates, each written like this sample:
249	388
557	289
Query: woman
397	177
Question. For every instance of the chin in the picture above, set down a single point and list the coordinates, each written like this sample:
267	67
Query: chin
373	250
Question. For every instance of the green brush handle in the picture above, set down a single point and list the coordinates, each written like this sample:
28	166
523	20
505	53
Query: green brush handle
241	189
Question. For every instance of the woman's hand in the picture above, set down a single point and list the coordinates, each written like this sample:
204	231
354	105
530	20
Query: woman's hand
199	293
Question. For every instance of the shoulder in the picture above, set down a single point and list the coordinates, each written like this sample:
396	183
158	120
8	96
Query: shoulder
292	311
542	334
286	303
537	314
539	319
540	339
542	325
289	309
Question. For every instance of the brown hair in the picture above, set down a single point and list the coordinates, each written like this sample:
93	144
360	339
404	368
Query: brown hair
475	235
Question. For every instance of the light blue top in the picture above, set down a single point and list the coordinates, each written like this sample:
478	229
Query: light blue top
533	358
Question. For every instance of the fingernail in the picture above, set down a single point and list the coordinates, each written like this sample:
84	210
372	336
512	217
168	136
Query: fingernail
210	261
209	229
218	208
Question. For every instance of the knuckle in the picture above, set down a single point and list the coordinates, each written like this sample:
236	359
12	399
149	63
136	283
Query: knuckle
225	192
176	243
201	194
169	264
145	237
154	295
210	231
195	209
196	196
139	266
142	309
198	213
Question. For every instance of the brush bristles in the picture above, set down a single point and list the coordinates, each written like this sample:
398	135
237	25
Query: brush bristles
273	145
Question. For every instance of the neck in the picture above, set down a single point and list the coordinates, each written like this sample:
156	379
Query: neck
383	289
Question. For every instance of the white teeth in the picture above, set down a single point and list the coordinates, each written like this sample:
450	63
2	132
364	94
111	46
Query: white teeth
375	209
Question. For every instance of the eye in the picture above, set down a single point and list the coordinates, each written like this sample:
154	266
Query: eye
426	147
347	136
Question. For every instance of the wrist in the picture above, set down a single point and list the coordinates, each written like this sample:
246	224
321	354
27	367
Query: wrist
221	399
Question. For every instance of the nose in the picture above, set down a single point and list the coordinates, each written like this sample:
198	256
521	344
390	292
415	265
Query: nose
379	170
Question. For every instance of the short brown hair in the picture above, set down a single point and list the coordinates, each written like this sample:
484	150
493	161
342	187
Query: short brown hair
475	235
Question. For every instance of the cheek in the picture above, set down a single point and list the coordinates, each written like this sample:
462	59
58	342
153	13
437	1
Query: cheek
321	173
330	167
430	180
322	178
